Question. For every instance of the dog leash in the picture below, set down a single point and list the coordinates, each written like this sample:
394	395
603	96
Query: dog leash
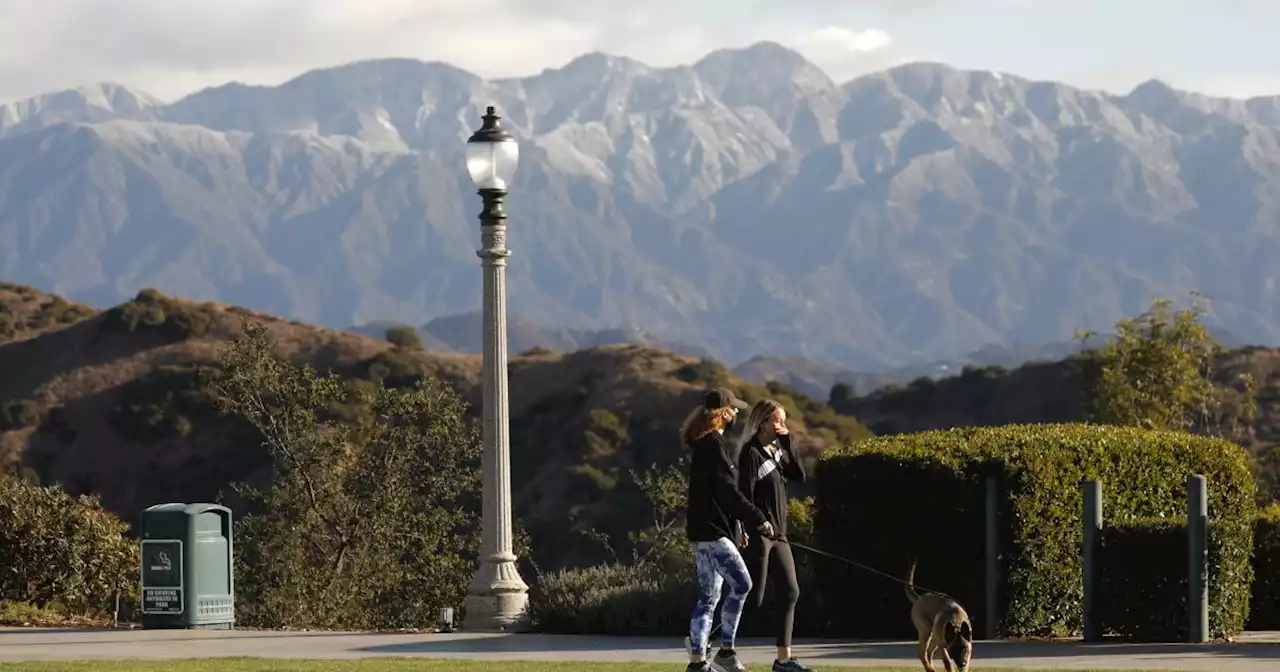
827	554
859	565
817	551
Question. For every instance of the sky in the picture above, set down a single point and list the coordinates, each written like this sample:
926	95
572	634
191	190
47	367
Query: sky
170	48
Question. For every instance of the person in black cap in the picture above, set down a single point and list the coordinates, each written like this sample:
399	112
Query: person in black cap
716	509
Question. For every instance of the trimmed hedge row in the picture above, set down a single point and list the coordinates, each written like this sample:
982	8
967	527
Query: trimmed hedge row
1264	607
635	600
888	500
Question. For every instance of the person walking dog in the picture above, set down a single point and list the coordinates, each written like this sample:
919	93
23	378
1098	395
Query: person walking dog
766	463
716	510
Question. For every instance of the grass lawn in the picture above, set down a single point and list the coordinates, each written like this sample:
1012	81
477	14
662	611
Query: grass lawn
385	665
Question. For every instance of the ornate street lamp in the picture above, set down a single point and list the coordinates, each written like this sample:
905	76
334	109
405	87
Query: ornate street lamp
497	596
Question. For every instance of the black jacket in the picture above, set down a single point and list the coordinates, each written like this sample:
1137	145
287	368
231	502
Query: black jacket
715	505
763	479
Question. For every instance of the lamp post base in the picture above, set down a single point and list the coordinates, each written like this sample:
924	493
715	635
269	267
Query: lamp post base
502	612
497	599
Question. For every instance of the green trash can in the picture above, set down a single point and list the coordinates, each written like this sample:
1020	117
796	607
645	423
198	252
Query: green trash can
187	576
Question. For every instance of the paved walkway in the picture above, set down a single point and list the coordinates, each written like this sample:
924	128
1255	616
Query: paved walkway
1255	652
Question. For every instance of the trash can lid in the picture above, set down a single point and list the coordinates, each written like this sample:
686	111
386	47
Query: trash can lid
190	509
166	507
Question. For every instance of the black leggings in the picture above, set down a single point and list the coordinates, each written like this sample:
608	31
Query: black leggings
782	571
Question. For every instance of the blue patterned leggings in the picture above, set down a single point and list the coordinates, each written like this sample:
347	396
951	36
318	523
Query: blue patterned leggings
718	562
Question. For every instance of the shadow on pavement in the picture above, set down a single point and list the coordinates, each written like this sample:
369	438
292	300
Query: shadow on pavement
157	636
1010	650
526	644
825	650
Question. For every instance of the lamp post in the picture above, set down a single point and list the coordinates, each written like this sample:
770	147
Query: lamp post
497	596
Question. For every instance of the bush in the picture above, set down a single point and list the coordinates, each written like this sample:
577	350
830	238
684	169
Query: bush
62	553
705	371
637	600
153	309
161	404
1264	606
888	500
393	369
403	336
20	414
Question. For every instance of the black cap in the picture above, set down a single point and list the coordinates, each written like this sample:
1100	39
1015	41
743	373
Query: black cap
721	397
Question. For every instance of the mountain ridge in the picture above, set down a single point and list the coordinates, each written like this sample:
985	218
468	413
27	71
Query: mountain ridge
910	215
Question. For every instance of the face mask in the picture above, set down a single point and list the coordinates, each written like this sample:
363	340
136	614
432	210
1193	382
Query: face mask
728	426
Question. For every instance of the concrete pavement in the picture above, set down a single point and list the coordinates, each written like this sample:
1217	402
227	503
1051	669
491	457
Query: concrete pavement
1254	653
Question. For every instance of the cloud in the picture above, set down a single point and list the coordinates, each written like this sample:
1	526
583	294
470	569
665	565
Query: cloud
845	41
845	53
172	47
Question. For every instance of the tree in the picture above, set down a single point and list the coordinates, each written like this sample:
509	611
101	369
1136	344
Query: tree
403	336
663	543
1158	372
840	396
370	517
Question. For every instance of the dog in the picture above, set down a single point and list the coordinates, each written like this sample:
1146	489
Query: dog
942	625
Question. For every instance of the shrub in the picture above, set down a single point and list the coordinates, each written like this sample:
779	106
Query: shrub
20	414
393	369
190	320
63	553
888	500
7	328
1264	606
708	372
637	600
161	404
153	309
403	336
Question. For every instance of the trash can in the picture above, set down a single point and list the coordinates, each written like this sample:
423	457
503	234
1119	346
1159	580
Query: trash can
187	579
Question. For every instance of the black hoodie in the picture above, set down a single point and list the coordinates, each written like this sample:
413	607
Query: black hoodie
715	505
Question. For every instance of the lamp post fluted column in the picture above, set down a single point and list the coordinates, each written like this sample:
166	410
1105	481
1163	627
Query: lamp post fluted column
497	597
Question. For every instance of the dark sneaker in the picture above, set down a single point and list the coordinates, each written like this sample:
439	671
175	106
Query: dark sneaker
790	665
704	666
727	661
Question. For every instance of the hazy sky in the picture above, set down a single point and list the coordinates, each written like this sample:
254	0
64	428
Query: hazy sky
173	47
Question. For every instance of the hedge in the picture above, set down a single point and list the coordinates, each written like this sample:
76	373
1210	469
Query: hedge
888	500
1264	606
635	600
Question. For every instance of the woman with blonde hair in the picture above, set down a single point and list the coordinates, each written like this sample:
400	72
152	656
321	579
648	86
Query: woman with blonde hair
766	463
716	509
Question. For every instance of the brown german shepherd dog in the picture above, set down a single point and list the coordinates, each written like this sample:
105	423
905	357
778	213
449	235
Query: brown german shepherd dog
942	625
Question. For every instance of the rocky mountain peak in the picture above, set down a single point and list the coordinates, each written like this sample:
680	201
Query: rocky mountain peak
743	201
